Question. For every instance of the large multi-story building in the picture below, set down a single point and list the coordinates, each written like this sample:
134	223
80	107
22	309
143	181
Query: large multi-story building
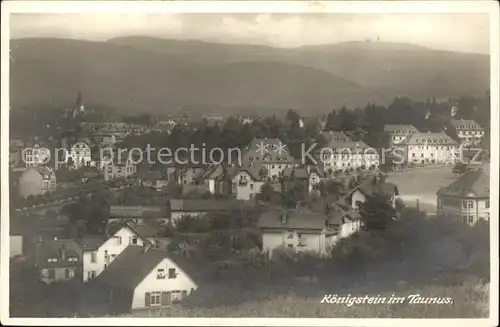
467	199
469	132
399	133
430	148
270	153
340	152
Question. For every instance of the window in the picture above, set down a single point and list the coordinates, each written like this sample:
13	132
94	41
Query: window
470	220
134	240
290	245
171	273
290	236
160	274
184	293
487	204
155	298
93	257
91	274
50	273
467	205
118	240
69	273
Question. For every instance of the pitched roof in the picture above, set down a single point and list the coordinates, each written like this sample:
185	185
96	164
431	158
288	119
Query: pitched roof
42	170
370	189
475	184
206	205
340	140
253	171
295	219
430	139
91	242
131	266
142	230
301	172
400	129
54	249
466	124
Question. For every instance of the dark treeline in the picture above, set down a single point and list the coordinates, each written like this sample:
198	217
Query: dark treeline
426	116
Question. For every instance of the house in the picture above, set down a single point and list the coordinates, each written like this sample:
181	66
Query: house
297	230
357	134
142	278
269	153
36	180
371	188
398	133
58	260
245	182
311	176
137	214
214	177
466	199
80	155
35	155
187	173
430	148
119	168
341	153
99	251
469	132
179	208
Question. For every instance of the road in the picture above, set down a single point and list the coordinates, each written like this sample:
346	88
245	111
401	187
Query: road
423	184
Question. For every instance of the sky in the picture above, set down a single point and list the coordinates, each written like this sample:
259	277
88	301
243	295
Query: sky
452	31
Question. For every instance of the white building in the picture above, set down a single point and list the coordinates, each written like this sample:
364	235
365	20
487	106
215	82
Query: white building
469	132
270	153
142	278
246	183
35	155
99	252
467	199
340	152
80	155
306	231
430	148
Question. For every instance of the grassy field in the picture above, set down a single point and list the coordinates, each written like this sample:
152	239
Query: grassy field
470	299
430	257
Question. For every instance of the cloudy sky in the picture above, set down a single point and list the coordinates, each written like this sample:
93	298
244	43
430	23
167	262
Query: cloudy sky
457	32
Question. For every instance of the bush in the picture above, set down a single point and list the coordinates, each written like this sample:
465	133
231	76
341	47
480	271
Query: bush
193	224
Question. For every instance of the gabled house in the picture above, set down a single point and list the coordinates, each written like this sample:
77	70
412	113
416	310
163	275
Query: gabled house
469	132
270	153
296	230
58	260
36	180
467	199
370	188
142	278
309	175
100	251
185	173
246	182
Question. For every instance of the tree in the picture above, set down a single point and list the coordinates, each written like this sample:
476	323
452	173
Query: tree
377	212
266	192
